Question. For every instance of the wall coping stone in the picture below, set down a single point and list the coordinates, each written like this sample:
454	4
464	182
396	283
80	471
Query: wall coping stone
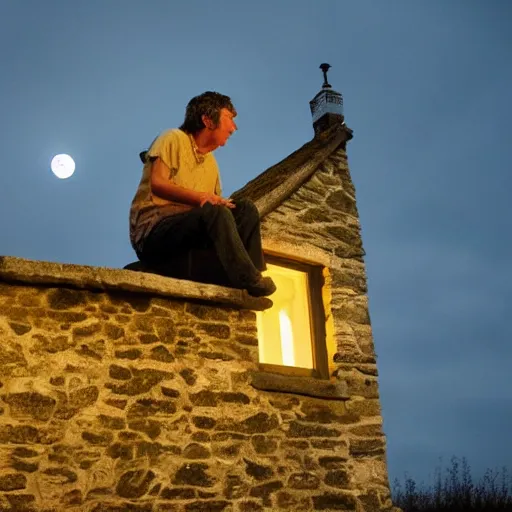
38	273
309	386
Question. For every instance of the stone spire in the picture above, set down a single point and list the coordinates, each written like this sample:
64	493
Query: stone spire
327	106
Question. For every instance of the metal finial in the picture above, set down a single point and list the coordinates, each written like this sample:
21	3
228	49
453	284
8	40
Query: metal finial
325	67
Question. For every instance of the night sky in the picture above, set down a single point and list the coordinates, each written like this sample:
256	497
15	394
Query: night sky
427	89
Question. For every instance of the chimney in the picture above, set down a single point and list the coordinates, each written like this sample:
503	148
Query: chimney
327	106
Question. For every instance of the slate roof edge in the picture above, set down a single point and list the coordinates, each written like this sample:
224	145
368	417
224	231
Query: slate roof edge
45	273
274	197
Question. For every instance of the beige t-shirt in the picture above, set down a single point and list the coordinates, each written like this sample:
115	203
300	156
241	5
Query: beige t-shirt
189	169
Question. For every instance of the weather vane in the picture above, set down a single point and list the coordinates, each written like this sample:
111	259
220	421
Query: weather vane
325	67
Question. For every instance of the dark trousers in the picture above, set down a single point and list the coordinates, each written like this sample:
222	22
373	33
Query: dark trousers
234	234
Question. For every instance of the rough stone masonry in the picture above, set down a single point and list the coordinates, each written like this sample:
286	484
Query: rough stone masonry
116	400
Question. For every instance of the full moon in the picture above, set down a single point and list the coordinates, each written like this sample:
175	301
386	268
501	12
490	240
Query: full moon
63	166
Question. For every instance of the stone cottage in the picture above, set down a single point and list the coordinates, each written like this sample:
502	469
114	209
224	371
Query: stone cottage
129	391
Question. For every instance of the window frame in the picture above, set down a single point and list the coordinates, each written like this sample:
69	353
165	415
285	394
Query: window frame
317	320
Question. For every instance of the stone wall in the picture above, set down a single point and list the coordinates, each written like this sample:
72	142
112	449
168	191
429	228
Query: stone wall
116	400
320	224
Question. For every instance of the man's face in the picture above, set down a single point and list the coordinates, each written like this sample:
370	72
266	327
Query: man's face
225	128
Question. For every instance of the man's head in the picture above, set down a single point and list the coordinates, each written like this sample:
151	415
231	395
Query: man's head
211	111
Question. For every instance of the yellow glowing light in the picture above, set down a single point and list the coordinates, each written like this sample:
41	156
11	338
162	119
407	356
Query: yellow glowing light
285	327
284	331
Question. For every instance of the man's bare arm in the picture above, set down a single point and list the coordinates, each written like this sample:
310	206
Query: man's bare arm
162	186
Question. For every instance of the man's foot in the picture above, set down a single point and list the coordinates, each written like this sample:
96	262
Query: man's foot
263	287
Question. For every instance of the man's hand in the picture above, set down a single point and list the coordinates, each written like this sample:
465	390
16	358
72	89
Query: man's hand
208	197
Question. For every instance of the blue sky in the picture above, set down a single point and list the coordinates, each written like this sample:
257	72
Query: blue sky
427	89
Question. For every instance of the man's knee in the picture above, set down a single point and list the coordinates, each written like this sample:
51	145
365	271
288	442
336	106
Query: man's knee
247	207
210	210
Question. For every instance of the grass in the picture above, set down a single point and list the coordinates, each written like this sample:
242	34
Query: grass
455	490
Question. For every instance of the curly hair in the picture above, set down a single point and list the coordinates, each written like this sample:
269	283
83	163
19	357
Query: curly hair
209	104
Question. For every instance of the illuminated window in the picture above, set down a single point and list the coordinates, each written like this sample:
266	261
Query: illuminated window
291	334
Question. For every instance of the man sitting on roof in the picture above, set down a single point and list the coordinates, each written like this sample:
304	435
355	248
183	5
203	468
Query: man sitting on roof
178	204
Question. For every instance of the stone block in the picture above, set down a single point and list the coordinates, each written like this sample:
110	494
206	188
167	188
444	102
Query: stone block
264	491
330	445
134	484
37	406
204	398
57	381
189	376
72	498
374	430
195	474
367	447
119	372
11	357
13	482
86	351
334	501
169	392
148	339
368	407
219	331
165	329
258	471
67	317
200	437
118	404
204	495
103	438
120	451
25	453
332	462
150	427
341	201
338	478
84	397
234	398
304	480
85	331
21	502
215	356
301	430
263	445
112	422
362	386
139	303
20	328
113	332
154	450
288	501
207	312
178	493
249	506
61	475
161	353
196	451
326	413
19	434
151	407
245	339
204	422
207	506
142	382
235	487
120	506
132	354
62	298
